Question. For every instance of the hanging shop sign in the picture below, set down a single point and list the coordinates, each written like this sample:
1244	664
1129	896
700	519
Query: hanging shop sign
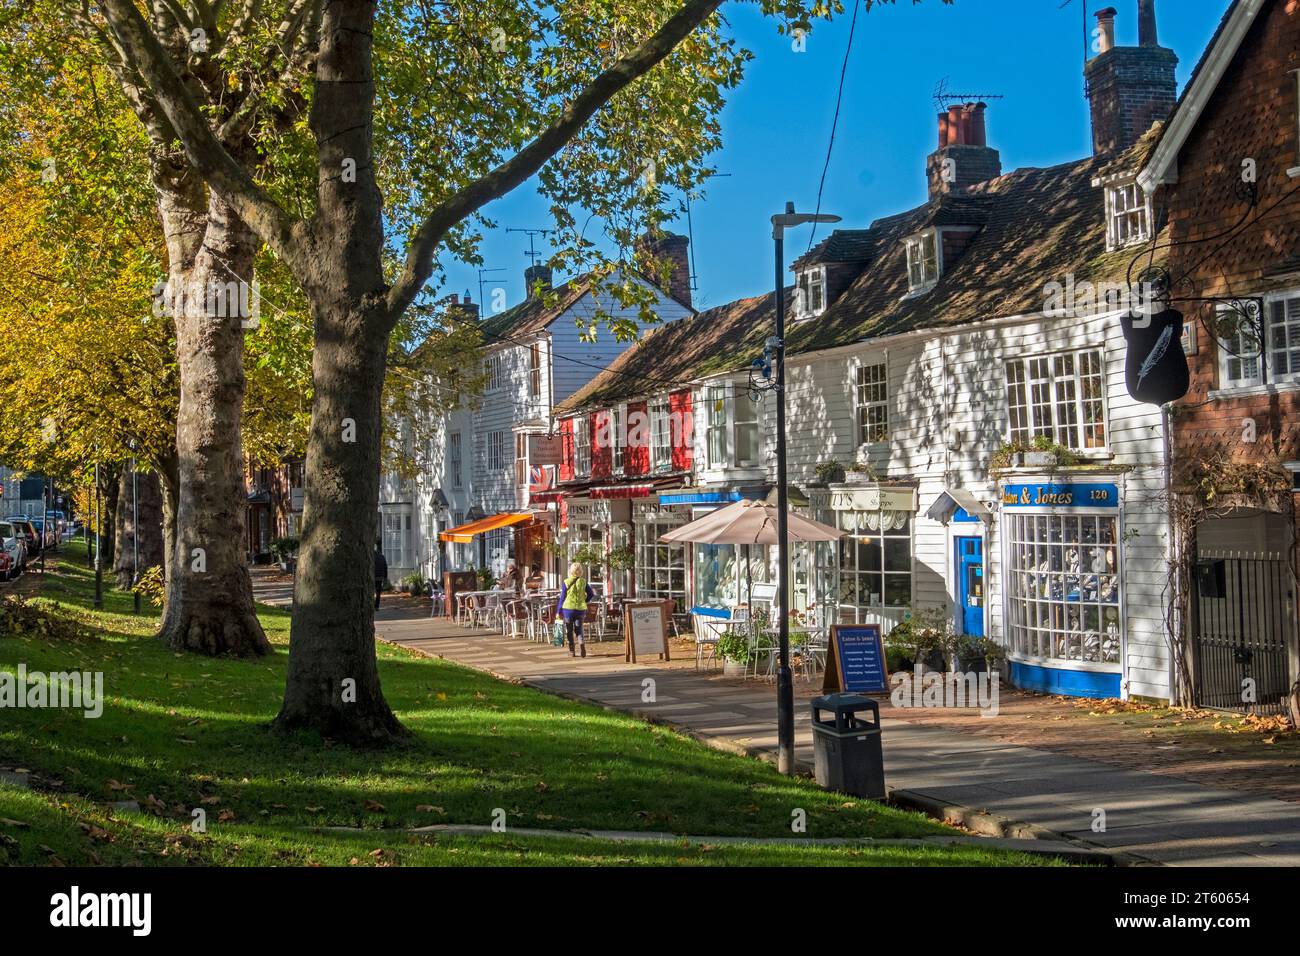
1155	366
1053	495
856	660
873	499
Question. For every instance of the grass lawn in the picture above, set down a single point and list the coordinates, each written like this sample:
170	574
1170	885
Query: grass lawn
180	732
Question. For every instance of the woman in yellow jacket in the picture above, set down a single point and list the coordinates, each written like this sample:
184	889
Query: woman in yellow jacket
575	592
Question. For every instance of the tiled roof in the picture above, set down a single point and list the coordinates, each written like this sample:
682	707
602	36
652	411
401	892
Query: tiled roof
675	354
842	245
535	313
1038	226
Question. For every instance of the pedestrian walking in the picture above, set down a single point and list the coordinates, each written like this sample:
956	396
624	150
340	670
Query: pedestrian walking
381	572
575	592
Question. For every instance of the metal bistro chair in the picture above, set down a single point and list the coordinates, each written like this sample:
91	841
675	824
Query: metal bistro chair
707	635
518	620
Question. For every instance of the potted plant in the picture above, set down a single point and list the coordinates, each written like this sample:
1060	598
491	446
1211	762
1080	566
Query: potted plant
990	651
485	578
829	473
414	583
913	639
285	551
733	648
861	473
622	559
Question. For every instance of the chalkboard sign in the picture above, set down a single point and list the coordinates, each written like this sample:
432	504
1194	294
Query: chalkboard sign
855	662
645	629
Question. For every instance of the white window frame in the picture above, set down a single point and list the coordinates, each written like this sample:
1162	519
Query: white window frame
581	448
923	271
810	292
496	450
617	416
1128	215
535	370
741	401
493	369
661	435
454	459
1058	398
864	405
1265	365
716	424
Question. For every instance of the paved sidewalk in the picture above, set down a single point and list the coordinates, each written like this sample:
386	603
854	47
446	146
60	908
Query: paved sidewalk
1148	817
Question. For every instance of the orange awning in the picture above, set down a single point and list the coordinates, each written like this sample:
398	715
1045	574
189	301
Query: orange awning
465	533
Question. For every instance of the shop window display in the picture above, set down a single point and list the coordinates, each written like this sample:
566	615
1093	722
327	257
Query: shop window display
1064	587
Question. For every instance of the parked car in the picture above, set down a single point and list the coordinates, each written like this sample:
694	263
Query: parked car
45	530
29	532
15	547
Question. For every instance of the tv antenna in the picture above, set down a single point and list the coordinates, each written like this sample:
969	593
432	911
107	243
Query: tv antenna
482	282
690	233
943	98
532	234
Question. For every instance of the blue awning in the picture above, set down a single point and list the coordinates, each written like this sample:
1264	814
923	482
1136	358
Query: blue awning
704	497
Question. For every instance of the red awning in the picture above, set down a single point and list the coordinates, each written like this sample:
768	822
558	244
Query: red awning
622	491
544	497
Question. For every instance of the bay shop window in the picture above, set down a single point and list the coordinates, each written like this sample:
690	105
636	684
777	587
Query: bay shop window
1062	562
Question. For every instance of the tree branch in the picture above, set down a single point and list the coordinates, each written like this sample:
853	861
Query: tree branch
202	148
517	169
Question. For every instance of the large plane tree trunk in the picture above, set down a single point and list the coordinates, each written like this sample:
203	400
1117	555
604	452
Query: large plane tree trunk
209	604
332	685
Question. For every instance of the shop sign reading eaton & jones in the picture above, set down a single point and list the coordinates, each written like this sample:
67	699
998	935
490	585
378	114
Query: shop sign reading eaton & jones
1060	496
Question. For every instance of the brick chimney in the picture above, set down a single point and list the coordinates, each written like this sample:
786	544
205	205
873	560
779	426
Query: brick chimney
535	276
662	245
964	156
466	310
1130	87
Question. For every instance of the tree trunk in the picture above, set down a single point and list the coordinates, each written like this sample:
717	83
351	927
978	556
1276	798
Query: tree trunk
109	476
332	685
148	527
167	482
209	604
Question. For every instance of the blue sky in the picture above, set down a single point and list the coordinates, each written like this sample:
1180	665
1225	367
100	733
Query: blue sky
777	123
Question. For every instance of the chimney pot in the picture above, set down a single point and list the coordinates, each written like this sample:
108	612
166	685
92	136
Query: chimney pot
978	133
1147	23
1106	28
535	276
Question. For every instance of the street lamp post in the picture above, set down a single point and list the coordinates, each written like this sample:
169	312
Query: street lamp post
99	565
784	678
135	535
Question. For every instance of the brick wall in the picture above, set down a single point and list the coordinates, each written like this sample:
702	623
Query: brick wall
1252	115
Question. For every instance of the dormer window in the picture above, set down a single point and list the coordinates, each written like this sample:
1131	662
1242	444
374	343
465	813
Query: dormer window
810	299
1128	220
922	261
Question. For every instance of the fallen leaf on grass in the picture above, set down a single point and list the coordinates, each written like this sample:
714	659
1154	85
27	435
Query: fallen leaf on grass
225	816
428	808
374	806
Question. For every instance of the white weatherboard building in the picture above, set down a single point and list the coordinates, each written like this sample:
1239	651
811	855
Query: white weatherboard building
472	503
960	361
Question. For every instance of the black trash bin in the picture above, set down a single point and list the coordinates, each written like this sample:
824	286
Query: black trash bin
846	748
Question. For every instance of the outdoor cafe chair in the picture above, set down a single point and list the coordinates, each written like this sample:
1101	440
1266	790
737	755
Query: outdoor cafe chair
518	619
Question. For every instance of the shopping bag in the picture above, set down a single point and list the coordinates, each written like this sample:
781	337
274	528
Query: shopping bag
557	633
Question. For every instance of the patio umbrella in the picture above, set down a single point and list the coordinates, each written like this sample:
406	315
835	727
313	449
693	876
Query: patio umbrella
749	522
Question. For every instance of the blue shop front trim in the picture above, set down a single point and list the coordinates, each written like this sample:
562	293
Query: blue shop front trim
1060	680
704	497
1078	584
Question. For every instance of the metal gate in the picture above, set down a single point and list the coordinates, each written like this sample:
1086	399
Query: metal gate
1244	620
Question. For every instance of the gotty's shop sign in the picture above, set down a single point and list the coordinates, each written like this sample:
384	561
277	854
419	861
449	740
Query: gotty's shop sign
1052	495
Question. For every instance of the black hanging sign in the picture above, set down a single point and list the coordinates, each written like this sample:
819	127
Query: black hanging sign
1155	368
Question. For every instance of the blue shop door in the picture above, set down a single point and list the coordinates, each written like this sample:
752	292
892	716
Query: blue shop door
970	584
